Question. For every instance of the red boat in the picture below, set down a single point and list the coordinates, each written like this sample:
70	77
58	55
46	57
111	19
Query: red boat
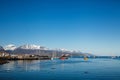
64	56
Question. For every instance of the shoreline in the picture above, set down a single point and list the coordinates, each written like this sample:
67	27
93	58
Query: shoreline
3	62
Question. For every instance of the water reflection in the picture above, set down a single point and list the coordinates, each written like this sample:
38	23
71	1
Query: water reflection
93	69
37	65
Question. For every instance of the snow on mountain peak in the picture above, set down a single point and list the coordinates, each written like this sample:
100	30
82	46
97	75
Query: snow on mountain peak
10	47
63	49
28	46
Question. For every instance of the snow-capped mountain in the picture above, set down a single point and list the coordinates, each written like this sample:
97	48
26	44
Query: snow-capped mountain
62	49
39	50
10	47
32	47
29	46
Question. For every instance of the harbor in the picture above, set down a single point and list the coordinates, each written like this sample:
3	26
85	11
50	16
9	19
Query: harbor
6	57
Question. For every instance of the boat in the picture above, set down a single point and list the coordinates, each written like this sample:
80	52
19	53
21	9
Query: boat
64	56
54	56
85	58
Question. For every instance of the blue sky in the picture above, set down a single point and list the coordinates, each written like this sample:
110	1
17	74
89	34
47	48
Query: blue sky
91	26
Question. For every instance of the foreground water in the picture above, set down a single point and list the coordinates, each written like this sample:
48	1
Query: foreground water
71	69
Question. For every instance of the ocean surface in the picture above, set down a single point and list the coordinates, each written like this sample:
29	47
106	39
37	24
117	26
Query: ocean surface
70	69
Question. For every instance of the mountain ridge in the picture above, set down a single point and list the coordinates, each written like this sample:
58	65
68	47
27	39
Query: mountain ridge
40	50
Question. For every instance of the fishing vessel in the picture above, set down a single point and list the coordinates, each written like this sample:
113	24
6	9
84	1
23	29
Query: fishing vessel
64	56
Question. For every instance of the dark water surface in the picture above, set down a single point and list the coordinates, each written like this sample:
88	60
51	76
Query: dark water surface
71	69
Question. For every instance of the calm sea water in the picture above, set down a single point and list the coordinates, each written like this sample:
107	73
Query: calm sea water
71	69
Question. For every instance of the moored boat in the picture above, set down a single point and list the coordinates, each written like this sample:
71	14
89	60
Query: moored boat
64	56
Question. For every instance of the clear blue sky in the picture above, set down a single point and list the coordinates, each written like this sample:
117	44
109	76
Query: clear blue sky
91	26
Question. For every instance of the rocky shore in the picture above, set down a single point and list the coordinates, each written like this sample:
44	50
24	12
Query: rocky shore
3	61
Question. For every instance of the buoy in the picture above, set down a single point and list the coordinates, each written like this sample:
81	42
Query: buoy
85	58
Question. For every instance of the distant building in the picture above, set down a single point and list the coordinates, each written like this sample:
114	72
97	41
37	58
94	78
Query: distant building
4	54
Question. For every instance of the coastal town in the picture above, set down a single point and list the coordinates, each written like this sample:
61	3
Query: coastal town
4	57
29	52
34	52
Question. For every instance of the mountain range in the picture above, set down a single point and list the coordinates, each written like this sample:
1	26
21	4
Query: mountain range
39	50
